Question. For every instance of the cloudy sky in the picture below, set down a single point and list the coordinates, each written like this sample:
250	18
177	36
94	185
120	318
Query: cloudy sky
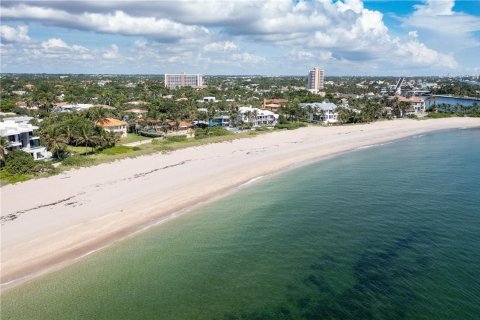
270	37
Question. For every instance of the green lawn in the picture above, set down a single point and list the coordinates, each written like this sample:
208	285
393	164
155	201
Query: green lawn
132	137
78	150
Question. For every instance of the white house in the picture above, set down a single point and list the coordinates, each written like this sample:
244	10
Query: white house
141	113
114	125
208	99
257	117
66	107
324	111
19	134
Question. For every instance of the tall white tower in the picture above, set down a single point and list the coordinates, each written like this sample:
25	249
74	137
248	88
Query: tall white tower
316	80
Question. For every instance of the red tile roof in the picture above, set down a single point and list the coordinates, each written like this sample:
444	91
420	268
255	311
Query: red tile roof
111	122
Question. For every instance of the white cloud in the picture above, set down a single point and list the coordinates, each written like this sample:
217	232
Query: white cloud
435	7
54	43
422	55
116	22
248	58
438	16
220	46
111	53
212	32
12	34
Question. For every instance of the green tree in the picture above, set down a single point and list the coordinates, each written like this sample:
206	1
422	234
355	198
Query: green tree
54	139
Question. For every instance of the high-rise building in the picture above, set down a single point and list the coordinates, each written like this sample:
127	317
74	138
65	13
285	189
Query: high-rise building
316	80
173	81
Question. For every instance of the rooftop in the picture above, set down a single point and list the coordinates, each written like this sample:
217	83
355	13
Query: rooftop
111	122
319	105
10	127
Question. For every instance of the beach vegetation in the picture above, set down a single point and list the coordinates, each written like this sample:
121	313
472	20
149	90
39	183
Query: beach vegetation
78	161
20	166
176	139
117	150
19	162
211	132
132	137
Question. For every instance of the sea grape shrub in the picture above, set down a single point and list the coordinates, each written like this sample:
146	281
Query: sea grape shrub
19	162
211	132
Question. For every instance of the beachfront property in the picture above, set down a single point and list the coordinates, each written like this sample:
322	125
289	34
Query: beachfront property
180	128
19	134
316	80
417	105
321	112
257	117
174	81
220	121
114	125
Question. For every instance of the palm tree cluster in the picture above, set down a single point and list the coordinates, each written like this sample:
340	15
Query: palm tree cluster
75	129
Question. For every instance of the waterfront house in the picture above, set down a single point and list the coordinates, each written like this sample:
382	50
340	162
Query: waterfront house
114	125
321	112
180	128
220	121
417	105
257	117
19	134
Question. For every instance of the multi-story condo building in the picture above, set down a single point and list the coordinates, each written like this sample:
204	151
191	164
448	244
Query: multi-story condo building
316	80
173	81
19	134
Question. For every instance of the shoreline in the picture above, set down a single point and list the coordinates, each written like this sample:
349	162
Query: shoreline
54	247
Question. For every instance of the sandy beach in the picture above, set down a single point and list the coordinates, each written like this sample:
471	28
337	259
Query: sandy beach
51	222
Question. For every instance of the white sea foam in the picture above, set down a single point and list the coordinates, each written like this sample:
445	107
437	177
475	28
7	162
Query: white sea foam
251	181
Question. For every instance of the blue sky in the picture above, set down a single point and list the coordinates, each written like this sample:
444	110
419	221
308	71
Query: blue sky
269	37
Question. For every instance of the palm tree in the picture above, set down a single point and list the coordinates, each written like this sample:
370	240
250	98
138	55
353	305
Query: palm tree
86	136
69	133
4	143
98	115
108	139
55	140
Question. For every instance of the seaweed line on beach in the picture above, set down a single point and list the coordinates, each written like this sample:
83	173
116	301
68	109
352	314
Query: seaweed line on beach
143	174
15	215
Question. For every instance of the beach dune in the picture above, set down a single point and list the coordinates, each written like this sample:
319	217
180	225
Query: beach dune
50	222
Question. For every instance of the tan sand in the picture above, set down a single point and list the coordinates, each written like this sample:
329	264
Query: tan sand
61	218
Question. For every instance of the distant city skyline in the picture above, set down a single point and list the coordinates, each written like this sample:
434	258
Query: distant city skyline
272	37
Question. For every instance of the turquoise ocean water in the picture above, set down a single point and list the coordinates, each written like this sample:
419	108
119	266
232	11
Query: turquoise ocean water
387	232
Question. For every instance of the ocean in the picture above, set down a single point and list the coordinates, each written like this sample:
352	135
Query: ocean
383	232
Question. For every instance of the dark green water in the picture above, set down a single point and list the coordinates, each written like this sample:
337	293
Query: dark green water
388	232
